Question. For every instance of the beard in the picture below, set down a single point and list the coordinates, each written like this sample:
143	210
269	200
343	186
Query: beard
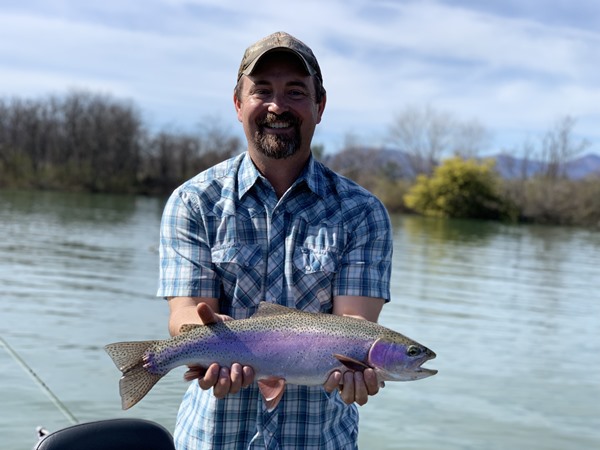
278	146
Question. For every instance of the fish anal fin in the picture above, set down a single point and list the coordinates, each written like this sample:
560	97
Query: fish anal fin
272	390
351	363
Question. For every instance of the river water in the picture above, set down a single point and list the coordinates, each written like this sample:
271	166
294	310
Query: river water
513	313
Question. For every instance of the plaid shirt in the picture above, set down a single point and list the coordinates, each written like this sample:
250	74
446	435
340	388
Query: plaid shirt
226	235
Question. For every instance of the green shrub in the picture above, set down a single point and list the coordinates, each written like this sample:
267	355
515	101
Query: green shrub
459	189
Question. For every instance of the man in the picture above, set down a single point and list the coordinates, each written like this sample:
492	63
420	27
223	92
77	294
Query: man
273	225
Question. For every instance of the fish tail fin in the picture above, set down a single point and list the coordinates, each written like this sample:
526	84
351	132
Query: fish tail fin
135	384
136	381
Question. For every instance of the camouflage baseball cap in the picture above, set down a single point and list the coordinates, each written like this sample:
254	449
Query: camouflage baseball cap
279	41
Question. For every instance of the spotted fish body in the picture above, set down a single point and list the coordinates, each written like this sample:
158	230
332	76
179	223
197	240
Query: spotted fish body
280	344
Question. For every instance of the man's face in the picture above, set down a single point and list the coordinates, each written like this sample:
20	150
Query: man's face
277	107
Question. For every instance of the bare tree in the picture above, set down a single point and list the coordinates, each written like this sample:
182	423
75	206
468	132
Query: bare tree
217	143
469	139
559	145
426	134
423	134
173	157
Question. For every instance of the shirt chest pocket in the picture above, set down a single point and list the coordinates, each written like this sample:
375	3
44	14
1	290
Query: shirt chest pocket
316	251
308	260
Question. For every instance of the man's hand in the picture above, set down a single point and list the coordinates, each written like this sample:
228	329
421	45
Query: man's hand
353	386
224	381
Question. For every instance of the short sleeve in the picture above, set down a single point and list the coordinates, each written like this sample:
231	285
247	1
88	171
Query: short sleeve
186	267
365	268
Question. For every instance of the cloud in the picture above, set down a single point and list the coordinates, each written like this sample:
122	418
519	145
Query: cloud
515	68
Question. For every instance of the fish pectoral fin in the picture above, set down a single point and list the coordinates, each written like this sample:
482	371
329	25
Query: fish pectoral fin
272	390
351	363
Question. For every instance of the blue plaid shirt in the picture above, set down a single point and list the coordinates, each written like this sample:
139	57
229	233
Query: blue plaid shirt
226	235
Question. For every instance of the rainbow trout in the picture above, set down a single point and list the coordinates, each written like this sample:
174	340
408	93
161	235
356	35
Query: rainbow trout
282	345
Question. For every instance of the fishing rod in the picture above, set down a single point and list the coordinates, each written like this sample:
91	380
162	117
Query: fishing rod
60	405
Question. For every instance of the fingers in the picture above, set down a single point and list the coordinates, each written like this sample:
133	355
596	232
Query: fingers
207	315
240	377
371	382
211	377
333	382
223	385
194	372
356	387
218	378
247	376
236	378
224	381
347	391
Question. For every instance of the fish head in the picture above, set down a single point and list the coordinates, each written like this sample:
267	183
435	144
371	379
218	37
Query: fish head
400	361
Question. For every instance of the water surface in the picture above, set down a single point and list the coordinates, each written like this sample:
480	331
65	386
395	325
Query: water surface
513	313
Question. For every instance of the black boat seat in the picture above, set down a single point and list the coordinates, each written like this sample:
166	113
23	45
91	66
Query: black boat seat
113	434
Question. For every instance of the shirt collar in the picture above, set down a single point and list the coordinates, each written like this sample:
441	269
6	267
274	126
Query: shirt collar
312	176
247	176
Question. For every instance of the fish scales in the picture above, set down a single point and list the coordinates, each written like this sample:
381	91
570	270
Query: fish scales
262	349
280	344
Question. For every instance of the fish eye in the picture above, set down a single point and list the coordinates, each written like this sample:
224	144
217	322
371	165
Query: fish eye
413	351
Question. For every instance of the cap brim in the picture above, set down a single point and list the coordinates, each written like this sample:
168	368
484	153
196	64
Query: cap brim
250	68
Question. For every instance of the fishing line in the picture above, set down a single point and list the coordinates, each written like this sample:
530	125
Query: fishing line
60	405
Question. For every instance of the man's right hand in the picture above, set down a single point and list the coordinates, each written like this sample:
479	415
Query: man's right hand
223	380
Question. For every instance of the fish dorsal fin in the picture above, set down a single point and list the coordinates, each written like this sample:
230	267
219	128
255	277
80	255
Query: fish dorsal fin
189	327
351	363
272	390
271	309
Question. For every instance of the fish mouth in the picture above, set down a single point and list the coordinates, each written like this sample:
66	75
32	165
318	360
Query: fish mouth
423	372
409	373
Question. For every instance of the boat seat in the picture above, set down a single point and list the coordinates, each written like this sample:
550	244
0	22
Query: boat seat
113	434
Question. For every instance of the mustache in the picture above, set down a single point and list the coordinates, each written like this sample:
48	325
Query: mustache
271	118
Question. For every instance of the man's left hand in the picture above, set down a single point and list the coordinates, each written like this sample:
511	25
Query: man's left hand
355	387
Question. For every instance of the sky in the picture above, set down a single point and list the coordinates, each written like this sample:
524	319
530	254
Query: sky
516	67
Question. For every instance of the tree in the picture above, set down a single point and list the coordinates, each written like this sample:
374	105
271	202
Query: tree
459	189
469	139
171	158
558	146
427	134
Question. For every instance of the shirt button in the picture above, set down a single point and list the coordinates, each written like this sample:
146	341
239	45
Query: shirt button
308	269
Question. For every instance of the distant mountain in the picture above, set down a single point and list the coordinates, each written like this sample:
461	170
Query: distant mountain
585	166
396	164
511	167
